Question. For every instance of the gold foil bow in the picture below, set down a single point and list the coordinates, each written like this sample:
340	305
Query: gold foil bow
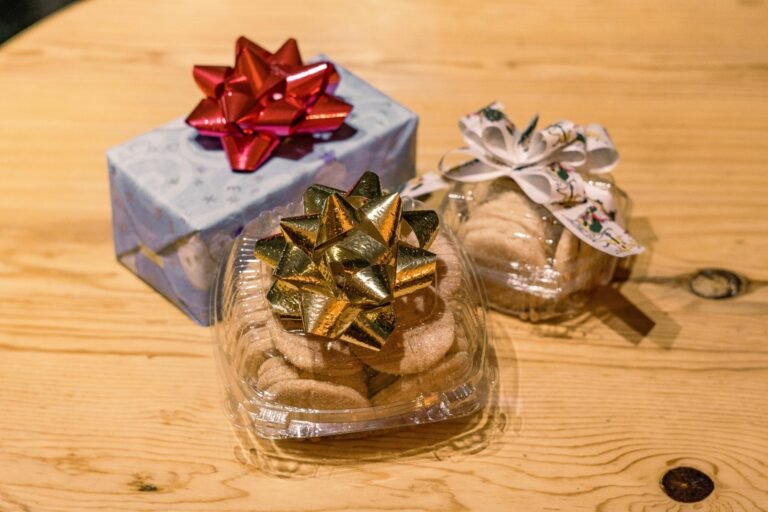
339	266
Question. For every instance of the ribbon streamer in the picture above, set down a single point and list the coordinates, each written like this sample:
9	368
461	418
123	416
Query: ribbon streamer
549	165
339	266
264	98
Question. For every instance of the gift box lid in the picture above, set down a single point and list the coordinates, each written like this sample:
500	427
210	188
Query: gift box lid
171	183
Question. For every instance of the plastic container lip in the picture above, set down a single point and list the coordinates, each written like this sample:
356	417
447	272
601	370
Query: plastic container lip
278	422
252	408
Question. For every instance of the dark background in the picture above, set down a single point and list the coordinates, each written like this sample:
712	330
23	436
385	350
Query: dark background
16	15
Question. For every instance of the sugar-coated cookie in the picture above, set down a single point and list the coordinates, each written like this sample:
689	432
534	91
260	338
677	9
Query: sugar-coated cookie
276	369
273	370
460	341
417	307
508	228
513	240
450	274
499	246
512	208
257	345
314	353
315	394
356	381
581	265
605	265
443	375
424	333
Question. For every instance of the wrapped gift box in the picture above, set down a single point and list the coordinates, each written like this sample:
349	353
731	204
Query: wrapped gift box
177	206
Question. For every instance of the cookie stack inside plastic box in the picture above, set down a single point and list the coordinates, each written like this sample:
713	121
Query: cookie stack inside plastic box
282	384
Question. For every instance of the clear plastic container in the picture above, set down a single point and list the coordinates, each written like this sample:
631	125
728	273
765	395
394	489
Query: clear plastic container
281	384
530	265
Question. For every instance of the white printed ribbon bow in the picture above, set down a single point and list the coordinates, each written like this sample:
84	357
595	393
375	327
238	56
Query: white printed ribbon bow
548	166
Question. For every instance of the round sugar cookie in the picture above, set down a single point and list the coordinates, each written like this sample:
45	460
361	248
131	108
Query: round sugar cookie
416	307
314	353
423	335
581	265
513	210
250	364
276	369
254	335
449	270
605	266
497	248
315	394
256	345
443	375
357	381
460	341
507	228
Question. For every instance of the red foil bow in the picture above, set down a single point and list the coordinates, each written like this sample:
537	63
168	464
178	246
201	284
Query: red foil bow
263	99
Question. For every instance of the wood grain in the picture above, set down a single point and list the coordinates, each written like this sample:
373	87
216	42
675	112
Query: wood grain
108	395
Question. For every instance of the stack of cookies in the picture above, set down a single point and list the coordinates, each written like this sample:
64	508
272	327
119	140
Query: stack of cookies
428	351
531	266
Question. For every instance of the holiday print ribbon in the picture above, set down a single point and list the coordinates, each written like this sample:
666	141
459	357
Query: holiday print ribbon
263	99
549	166
339	266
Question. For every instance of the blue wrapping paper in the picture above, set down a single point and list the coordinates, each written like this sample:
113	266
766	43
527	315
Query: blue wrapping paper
177	206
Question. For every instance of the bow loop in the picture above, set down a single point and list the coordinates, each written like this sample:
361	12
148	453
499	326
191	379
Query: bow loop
562	142
552	167
602	156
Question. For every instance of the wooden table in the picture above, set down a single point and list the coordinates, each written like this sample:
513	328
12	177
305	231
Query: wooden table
109	397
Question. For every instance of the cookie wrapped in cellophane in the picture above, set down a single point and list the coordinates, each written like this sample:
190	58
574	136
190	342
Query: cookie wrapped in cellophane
350	312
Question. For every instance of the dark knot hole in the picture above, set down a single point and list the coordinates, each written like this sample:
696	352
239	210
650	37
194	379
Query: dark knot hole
687	485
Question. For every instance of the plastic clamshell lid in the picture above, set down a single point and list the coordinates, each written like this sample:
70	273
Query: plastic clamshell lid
281	384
